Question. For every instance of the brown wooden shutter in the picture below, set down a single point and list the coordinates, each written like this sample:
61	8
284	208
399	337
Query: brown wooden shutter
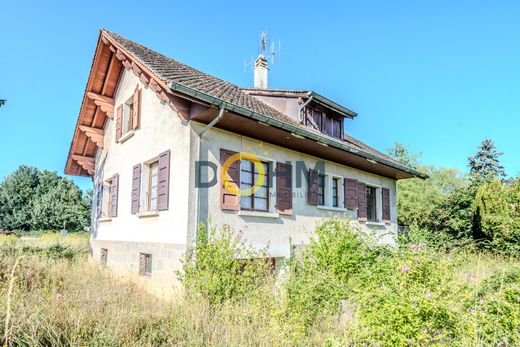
136	114
284	188
362	201
99	201
136	188
114	191
350	193
385	192
119	123
229	200
313	187
163	187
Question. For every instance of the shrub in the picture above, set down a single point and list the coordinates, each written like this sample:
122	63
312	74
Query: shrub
223	267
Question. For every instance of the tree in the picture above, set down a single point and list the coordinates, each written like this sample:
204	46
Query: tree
33	200
402	154
418	198
485	164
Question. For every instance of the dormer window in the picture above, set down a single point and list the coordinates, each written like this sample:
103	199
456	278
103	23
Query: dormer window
325	122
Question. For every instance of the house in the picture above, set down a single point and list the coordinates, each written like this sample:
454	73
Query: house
169	147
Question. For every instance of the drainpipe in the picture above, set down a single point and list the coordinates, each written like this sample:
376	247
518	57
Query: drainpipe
200	135
300	117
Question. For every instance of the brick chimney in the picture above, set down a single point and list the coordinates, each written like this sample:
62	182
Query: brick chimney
261	70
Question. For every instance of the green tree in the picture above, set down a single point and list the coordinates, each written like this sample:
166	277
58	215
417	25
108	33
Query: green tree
485	164
31	200
418	198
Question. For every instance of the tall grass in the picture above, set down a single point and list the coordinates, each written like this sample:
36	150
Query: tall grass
341	291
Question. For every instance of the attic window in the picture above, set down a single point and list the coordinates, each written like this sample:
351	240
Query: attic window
128	110
327	123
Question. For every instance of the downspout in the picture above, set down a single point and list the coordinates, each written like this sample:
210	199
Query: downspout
200	135
300	117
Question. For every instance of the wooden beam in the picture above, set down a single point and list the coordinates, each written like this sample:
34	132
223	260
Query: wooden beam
87	163
94	134
104	102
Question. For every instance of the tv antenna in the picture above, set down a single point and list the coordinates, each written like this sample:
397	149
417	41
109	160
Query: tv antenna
266	48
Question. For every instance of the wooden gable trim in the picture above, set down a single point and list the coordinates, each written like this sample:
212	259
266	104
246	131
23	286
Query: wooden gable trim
104	102
94	134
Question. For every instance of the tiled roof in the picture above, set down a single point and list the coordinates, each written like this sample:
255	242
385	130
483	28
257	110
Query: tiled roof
170	70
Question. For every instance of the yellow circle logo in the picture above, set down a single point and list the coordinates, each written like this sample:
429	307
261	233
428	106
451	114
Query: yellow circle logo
234	188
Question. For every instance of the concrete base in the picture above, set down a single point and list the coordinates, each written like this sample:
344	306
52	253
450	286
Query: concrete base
123	257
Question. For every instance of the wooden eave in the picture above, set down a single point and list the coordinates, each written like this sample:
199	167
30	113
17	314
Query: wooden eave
98	101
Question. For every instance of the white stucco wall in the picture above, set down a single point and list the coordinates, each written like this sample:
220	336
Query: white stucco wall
160	129
279	231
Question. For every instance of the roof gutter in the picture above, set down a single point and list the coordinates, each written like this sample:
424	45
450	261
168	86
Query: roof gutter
175	86
333	105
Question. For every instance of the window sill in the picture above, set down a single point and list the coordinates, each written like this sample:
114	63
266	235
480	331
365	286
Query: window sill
374	223
331	208
258	214
105	219
146	214
126	136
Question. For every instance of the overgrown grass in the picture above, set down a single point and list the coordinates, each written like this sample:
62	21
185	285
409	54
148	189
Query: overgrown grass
341	291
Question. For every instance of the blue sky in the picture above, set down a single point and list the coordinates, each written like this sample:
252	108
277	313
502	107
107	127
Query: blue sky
438	76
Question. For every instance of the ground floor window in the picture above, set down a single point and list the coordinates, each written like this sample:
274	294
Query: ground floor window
250	178
371	204
145	264
335	192
321	190
103	256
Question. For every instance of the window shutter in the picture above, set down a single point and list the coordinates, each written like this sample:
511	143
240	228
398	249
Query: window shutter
99	201
119	123
313	187
114	189
163	184
136	115
136	188
350	193
385	192
284	188
362	201
229	200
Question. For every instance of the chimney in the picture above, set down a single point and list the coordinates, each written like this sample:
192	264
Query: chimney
261	70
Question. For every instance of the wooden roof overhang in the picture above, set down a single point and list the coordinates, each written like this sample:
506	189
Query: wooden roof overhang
261	131
98	102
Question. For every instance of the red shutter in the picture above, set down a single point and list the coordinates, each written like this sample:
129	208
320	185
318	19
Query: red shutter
136	188
119	123
284	188
313	187
114	190
362	201
163	187
350	193
136	114
229	200
385	192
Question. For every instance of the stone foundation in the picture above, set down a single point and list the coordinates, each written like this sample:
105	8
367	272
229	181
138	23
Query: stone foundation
123	257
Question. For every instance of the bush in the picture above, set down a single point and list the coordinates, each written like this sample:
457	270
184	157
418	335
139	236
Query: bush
220	267
497	207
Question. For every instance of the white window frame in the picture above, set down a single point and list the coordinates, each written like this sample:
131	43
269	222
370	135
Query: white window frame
144	205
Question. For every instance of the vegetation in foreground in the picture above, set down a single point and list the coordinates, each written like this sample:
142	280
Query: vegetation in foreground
341	290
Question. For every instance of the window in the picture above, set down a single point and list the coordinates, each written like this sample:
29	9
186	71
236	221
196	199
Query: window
145	264
128	111
103	256
151	186
335	192
330	124
249	176
107	199
371	204
321	189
